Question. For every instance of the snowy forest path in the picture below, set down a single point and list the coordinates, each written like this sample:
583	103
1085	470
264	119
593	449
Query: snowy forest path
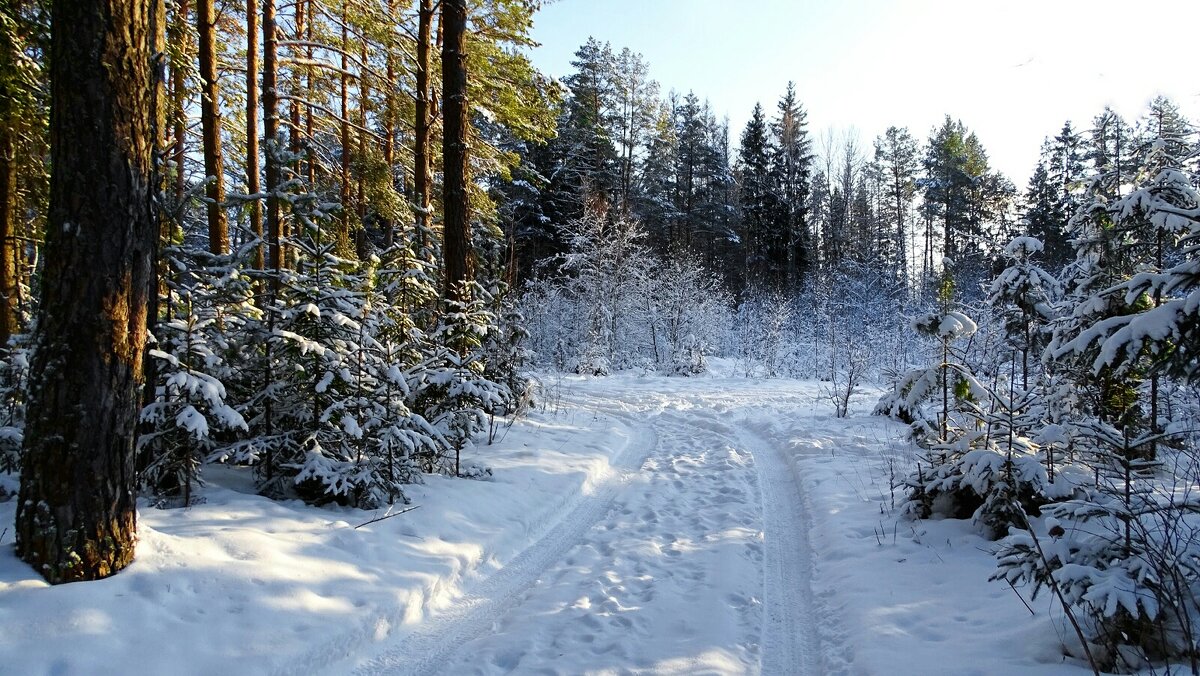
695	560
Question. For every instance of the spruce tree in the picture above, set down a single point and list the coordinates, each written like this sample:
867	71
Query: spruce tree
756	196
791	172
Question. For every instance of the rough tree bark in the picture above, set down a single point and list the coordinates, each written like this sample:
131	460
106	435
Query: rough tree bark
8	249
270	103
210	125
343	235
179	100
273	173
456	221
422	180
252	184
389	127
76	513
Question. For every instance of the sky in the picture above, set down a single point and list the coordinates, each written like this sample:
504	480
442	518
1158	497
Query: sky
1012	71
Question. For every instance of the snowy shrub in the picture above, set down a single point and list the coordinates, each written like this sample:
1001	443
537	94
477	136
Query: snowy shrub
1023	297
330	373
1124	554
689	310
977	459
607	271
761	325
610	304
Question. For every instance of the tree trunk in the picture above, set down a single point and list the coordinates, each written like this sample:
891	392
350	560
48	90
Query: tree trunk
76	514
389	128
179	103
210	124
158	291
300	17
252	185
8	249
343	237
422	181
361	244
270	102
456	221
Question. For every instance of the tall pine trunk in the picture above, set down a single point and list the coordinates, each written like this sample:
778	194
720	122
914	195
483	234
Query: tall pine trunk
270	104
422	179
76	515
456	222
8	248
252	183
389	128
179	101
344	131
210	124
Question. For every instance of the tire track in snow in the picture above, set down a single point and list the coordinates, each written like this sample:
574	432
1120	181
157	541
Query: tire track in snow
654	585
790	641
426	647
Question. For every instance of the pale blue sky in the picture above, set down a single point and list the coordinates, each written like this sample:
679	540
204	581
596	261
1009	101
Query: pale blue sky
1013	71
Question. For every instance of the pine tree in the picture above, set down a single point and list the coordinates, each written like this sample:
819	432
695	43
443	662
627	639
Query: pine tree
896	155
86	374
955	168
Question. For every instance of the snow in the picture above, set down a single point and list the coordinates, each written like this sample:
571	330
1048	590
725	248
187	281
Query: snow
633	524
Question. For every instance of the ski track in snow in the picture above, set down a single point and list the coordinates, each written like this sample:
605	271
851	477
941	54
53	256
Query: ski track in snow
422	649
790	644
625	582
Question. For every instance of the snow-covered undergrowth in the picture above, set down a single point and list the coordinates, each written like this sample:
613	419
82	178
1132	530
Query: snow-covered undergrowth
241	584
912	597
655	524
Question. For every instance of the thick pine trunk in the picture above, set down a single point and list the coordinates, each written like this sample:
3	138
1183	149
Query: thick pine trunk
456	222
76	515
210	124
389	128
299	18
270	103
252	184
179	102
8	248
422	180
344	131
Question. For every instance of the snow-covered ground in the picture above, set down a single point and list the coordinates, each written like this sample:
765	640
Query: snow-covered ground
635	524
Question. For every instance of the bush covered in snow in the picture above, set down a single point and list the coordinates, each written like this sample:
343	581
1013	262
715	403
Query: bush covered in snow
1074	437
609	303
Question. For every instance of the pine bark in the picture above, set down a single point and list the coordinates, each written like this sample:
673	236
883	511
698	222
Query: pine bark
300	19
270	103
422	181
456	221
76	513
252	183
389	128
210	124
8	249
273	172
344	131
179	103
